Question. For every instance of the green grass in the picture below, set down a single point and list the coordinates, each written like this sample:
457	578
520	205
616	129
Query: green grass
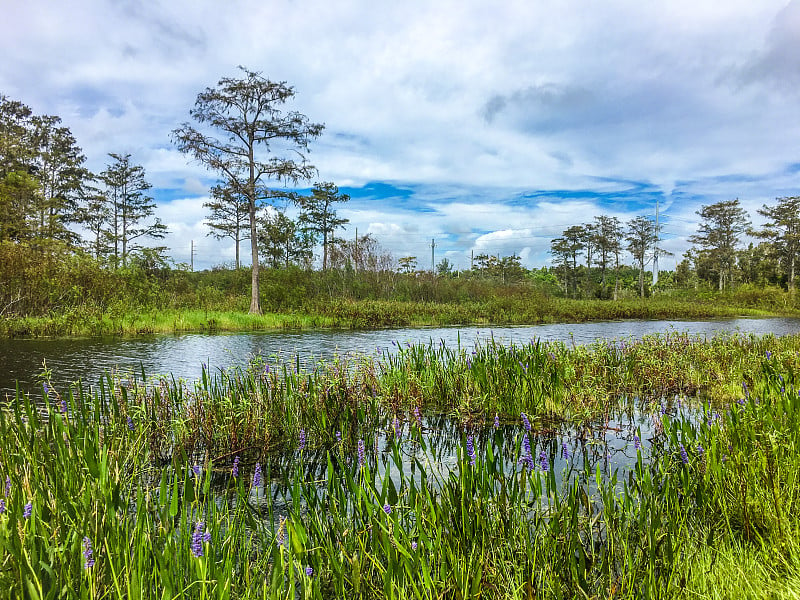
115	465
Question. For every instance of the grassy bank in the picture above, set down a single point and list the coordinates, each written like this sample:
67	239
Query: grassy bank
266	483
353	314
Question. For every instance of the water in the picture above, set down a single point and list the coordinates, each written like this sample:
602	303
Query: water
183	355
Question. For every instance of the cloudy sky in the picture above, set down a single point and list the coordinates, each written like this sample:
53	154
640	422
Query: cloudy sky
487	126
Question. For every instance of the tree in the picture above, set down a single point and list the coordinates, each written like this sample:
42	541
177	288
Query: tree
407	264
259	143
283	243
641	236
361	254
318	215
129	207
58	166
783	231
444	267
228	215
607	240
717	238
94	214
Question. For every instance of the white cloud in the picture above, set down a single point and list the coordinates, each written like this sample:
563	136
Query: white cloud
470	104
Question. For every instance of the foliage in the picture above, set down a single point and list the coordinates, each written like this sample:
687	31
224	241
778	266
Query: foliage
247	114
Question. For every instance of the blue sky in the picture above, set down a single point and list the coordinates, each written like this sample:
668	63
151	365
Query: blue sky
491	127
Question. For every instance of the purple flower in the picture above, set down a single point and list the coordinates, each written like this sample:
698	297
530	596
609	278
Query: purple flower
564	451
700	450
235	469
130	424
338	437
87	553
198	537
526	422
637	443
46	388
417	416
361	453
413	545
309	571
28	510
279	539
301	441
196	470
768	354
543	462
8	485
2	506
496	421
469	363
526	458
266	369
471	450
387	509
257	476
684	455
398	429
63	406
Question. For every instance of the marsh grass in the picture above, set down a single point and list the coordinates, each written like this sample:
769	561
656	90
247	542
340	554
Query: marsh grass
708	505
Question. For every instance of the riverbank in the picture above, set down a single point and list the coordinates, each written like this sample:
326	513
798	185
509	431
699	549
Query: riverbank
352	314
417	475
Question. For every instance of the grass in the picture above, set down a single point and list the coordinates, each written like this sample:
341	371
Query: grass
357	314
708	505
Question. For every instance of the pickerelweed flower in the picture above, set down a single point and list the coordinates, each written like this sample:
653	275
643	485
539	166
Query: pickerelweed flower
700	451
387	509
338	437
637	443
684	455
564	451
309	571
526	458
496	421
301	440
63	406
2	506
235	469
27	511
362	451
397	427
8	485
471	450
257	475
131	426
413	545
197	539
196	470
526	423
87	553
543	462
768	354
417	416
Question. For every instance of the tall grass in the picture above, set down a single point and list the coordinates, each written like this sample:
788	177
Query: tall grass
268	483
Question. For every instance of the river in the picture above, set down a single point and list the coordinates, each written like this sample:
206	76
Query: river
183	355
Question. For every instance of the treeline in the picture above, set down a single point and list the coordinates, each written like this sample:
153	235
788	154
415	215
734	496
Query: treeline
48	198
716	259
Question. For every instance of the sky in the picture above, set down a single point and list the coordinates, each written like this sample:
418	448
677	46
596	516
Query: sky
489	127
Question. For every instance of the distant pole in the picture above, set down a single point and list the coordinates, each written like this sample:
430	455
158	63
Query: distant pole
355	254
655	251
191	259
471	260
433	245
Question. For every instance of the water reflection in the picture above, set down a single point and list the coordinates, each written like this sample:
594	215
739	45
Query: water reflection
182	355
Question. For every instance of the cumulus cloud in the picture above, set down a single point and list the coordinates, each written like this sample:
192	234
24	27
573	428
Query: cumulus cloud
456	119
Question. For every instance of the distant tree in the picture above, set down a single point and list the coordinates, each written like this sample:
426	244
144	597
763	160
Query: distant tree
130	210
318	216
566	249
444	267
17	190
642	236
361	254
17	146
228	215
782	230
259	143
608	242
407	264
95	215
283	242
58	165
587	234
718	236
